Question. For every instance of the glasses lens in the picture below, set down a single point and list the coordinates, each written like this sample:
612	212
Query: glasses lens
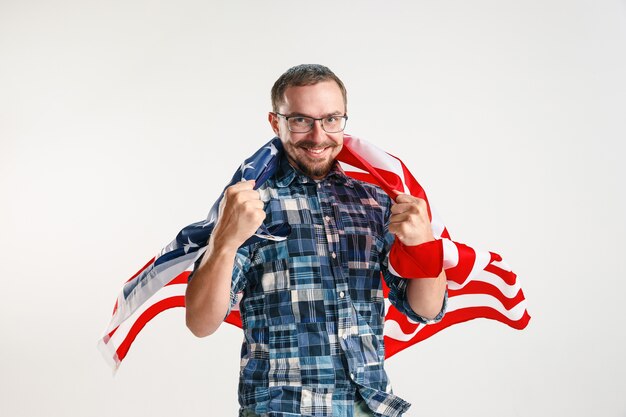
300	124
334	124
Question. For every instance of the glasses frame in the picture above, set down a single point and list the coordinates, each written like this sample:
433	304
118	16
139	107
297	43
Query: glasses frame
321	120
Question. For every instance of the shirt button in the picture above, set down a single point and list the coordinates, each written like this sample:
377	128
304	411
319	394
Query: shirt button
342	294
319	185
344	335
333	255
327	218
351	375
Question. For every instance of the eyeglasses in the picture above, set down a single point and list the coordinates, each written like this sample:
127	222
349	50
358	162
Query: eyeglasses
304	124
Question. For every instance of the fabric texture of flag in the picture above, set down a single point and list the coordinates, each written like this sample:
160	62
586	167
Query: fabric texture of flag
480	284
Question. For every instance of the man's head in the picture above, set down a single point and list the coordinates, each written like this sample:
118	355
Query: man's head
309	91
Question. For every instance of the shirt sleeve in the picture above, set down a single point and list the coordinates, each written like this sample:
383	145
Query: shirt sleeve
398	286
238	279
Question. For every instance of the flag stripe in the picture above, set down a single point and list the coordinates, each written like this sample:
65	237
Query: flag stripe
124	335
393	346
163	294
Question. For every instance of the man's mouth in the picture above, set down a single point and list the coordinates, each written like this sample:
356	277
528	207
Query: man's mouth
317	152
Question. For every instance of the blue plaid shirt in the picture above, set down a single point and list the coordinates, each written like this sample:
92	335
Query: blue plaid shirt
313	307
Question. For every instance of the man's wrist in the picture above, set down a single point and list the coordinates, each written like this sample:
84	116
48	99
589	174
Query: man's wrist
222	246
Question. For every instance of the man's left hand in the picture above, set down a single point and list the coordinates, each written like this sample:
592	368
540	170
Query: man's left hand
409	220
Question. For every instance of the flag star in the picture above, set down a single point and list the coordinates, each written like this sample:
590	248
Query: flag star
245	166
189	245
272	148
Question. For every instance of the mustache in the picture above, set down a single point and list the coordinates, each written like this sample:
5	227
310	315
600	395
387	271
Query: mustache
312	144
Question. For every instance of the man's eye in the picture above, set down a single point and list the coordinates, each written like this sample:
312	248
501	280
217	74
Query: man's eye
300	120
332	119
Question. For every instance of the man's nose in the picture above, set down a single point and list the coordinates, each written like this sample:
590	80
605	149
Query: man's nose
317	131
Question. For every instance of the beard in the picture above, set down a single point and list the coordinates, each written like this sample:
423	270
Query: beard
314	168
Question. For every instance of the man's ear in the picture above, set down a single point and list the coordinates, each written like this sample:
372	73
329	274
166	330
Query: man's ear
273	119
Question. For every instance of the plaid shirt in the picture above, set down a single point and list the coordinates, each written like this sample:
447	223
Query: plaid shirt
313	307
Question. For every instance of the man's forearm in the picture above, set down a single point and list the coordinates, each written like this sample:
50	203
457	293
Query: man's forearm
425	295
208	293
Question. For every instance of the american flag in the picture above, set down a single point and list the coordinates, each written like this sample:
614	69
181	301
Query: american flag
480	284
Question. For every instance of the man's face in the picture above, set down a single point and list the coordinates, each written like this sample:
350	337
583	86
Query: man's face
312	152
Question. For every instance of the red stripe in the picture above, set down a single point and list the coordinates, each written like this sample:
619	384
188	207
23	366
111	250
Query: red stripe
461	271
393	346
421	261
507	276
107	337
144	318
234	318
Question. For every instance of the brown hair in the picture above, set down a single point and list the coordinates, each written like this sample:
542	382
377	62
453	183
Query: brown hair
304	74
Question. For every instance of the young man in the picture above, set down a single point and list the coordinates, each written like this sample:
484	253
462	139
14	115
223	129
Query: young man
312	306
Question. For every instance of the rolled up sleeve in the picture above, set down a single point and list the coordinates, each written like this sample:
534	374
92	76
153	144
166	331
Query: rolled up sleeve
398	290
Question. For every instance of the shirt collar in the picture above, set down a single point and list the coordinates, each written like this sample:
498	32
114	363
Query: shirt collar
286	174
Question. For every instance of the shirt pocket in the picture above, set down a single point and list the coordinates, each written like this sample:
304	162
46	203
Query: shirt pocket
361	230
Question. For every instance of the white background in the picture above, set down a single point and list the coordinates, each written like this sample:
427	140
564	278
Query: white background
120	121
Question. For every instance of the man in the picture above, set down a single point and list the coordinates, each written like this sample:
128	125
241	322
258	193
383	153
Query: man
312	306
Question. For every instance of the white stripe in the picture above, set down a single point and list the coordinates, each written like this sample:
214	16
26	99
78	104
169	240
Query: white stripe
109	355
347	168
450	254
484	300
509	291
436	223
393	329
482	260
378	158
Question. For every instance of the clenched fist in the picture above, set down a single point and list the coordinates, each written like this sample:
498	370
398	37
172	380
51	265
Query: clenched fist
409	220
240	215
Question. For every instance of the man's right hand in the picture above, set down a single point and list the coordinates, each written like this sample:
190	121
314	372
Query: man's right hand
240	215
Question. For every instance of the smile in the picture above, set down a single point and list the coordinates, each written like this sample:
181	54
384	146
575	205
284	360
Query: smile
316	152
